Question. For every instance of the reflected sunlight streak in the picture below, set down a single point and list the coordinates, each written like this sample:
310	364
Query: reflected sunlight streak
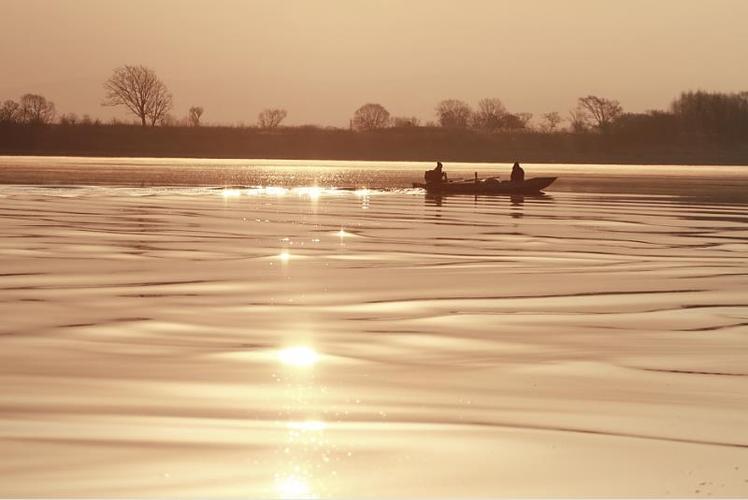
293	487
313	192
301	356
276	191
307	425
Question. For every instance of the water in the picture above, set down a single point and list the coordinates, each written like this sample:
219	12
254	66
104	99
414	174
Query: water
298	341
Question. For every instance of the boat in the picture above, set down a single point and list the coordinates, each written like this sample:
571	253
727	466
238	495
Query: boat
488	186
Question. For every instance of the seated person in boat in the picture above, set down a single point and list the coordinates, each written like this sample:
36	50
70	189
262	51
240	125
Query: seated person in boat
518	175
436	175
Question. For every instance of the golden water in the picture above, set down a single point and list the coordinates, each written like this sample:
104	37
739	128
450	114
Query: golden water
303	342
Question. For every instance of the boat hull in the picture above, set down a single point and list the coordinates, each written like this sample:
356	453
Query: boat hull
529	186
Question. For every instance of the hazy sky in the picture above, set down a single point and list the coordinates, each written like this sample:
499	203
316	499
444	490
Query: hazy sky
322	59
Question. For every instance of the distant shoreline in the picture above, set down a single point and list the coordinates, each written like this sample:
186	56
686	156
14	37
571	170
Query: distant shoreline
393	144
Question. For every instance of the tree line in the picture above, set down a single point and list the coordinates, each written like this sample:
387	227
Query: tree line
710	115
713	116
136	88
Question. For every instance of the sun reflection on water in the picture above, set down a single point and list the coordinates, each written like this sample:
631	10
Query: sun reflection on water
363	195
300	356
276	191
305	447
312	192
307	425
293	487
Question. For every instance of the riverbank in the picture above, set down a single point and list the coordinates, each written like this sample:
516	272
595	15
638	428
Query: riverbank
393	144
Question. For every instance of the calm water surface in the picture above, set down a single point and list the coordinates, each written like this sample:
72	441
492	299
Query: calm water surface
240	329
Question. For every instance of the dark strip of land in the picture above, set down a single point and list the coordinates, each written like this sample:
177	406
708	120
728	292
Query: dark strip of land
392	144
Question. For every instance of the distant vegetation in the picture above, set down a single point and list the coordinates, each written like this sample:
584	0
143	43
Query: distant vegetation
31	109
141	92
271	118
370	117
194	115
698	127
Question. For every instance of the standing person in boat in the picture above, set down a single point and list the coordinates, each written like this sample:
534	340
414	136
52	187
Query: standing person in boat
518	175
436	175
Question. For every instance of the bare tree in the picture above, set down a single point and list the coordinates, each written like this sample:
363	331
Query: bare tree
489	115
405	121
550	122
524	119
713	113
453	113
371	116
35	108
159	112
168	120
68	119
140	91
579	120
271	118
194	116
602	111
515	121
9	111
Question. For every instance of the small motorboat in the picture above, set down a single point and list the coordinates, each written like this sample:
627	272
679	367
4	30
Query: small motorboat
488	186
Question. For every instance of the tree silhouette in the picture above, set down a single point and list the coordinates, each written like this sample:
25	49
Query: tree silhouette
453	113
603	112
524	118
489	115
550	122
194	116
140	91
271	118
713	113
579	120
159	113
515	121
34	108
69	119
405	122
370	117
9	111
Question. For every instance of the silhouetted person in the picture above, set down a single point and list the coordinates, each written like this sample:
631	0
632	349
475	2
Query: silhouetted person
436	175
518	175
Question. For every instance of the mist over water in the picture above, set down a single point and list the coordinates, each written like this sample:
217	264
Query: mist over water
241	328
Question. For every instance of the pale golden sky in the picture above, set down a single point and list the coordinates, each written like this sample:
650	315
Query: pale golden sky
321	59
